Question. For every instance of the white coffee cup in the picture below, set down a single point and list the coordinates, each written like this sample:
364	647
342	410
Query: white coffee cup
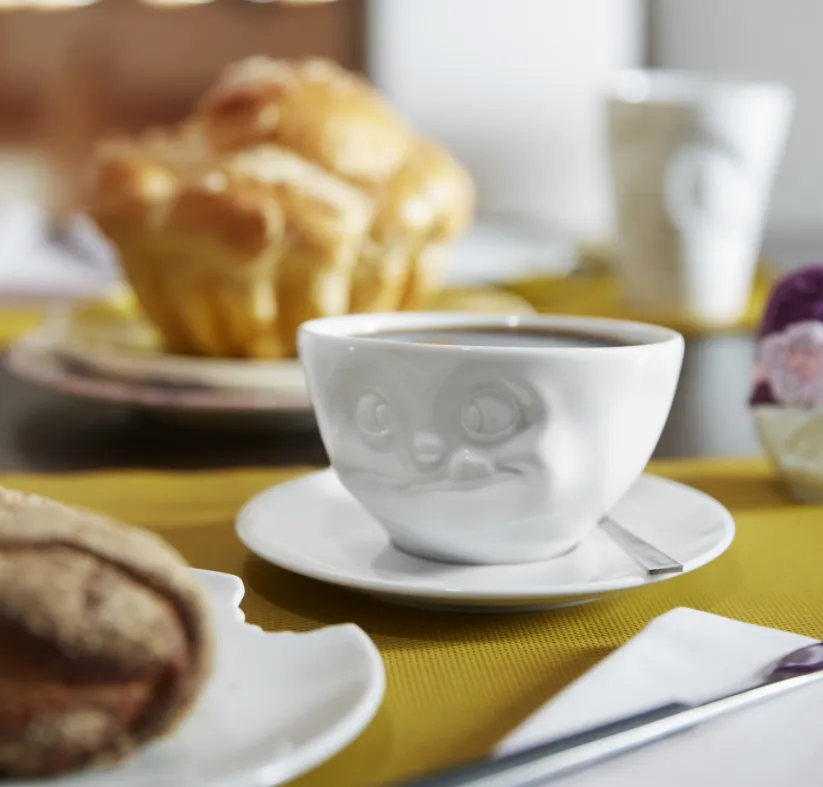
693	164
483	453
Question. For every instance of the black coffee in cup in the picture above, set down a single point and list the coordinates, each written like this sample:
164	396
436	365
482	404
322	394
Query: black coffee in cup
502	336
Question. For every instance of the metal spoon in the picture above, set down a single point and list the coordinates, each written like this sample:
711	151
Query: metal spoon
652	560
538	764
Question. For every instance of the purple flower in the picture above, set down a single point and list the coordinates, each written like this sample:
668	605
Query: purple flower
798	297
792	362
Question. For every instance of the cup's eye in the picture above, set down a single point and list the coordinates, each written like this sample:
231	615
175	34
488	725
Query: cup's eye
373	417
489	416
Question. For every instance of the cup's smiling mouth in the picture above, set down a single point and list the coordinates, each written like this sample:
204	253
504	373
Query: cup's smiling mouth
463	485
441	482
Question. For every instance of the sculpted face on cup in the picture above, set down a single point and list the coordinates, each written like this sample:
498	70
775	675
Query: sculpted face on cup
427	441
483	439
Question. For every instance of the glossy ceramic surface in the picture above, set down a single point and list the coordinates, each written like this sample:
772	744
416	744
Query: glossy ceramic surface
128	349
488	454
314	527
37	359
693	161
793	439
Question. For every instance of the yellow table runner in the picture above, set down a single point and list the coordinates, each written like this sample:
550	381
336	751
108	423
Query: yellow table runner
458	682
599	295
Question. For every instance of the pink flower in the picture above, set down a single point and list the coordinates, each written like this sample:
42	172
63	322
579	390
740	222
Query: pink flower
792	360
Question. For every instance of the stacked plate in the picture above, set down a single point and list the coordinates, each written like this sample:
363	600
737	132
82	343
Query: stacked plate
106	352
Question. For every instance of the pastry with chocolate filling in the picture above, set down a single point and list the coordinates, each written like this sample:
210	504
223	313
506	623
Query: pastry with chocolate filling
105	639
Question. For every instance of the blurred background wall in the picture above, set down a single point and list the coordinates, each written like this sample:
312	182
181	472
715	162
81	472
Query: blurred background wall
148	64
69	75
512	86
766	39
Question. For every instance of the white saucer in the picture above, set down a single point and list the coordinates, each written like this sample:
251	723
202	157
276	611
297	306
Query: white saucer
277	706
35	358
312	526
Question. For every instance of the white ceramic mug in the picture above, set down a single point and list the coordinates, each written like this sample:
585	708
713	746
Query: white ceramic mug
488	454
693	164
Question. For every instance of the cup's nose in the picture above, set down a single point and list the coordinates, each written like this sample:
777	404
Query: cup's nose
427	448
468	465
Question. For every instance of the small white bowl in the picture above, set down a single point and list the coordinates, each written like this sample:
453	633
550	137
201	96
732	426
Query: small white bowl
793	439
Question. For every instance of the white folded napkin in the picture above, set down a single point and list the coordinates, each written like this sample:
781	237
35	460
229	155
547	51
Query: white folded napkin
37	265
690	655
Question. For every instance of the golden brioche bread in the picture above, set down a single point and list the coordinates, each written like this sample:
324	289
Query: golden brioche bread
292	191
105	640
313	107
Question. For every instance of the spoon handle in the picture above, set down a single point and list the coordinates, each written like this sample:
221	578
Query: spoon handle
653	560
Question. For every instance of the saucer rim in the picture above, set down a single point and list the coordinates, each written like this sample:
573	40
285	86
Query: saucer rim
389	588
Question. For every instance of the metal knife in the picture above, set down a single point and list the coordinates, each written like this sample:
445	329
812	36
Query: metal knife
539	764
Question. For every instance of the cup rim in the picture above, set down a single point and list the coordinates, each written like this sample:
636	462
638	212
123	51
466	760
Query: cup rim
357	329
672	86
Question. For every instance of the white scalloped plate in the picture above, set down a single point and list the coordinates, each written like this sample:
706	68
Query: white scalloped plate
276	706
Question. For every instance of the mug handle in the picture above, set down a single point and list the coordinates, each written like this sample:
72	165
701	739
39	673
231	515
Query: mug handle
689	204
